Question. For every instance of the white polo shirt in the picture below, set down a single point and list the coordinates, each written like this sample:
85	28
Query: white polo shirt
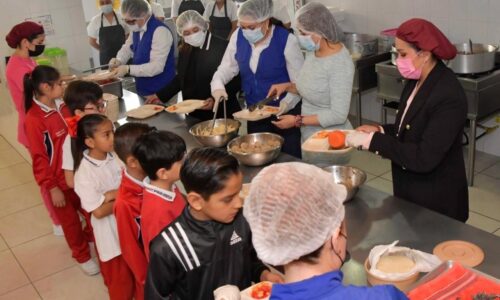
67	155
92	179
95	25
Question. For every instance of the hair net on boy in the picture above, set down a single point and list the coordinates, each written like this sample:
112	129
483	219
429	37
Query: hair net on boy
255	10
315	17
189	19
292	209
136	8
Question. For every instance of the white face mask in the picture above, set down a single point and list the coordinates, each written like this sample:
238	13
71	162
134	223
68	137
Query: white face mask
107	8
195	39
134	28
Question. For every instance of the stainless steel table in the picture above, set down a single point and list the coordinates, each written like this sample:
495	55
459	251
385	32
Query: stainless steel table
373	217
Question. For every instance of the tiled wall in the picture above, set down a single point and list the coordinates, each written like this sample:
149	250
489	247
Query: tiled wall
69	26
460	20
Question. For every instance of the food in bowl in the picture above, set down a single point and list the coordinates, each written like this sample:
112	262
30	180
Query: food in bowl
261	290
219	129
395	264
257	147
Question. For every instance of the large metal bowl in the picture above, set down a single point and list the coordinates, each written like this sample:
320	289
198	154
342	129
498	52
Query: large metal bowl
257	158
349	176
219	140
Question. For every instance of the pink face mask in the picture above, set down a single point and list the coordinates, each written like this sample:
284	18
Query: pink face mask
407	69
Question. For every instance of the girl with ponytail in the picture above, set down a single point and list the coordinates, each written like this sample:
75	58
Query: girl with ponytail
46	130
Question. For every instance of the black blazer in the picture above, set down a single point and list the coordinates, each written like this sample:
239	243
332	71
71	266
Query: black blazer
426	152
195	70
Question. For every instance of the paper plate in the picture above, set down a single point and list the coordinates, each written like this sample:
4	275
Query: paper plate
145	111
466	253
247	293
185	107
256	115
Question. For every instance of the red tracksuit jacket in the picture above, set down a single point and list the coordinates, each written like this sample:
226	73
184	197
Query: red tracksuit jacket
159	209
46	131
127	210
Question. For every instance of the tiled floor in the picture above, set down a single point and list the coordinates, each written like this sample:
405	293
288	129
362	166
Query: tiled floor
35	264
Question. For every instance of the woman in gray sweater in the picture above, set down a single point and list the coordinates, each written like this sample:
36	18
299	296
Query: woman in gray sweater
325	80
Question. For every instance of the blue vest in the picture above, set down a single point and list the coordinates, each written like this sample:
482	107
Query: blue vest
142	50
271	68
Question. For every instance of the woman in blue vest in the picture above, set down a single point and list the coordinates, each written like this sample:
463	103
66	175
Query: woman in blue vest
264	54
150	46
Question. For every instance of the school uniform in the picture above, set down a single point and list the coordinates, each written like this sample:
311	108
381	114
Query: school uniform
127	210
92	179
46	133
159	208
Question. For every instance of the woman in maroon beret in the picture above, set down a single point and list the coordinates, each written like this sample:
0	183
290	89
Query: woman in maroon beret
425	142
27	38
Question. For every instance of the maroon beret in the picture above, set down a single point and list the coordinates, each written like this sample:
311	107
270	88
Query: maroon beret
428	37
22	31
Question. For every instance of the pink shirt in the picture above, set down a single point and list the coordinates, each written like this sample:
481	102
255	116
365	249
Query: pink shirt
16	69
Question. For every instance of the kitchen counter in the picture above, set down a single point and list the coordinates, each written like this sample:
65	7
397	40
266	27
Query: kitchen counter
373	217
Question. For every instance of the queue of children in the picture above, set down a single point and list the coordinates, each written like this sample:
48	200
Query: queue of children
116	191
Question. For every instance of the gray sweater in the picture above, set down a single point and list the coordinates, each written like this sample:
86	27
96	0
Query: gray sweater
325	84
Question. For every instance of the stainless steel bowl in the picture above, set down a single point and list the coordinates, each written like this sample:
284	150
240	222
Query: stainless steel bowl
219	140
258	158
349	176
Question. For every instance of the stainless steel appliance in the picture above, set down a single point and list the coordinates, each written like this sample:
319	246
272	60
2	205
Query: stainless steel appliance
365	78
482	91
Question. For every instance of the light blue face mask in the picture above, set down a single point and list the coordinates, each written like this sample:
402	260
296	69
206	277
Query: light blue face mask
106	9
253	35
306	42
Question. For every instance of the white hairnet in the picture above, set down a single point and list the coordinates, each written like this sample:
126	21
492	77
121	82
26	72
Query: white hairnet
136	8
315	17
292	209
256	10
189	19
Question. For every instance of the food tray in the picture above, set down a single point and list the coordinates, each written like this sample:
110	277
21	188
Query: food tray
443	268
185	107
256	115
316	151
145	111
100	75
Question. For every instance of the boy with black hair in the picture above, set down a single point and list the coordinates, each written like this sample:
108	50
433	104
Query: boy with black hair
160	154
209	245
128	203
82	98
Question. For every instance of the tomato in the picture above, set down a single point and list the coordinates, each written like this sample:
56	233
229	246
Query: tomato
261	290
336	139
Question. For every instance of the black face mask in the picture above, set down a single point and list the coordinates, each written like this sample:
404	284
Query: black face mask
347	256
38	50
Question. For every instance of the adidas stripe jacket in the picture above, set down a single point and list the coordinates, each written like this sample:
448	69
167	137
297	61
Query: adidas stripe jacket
189	259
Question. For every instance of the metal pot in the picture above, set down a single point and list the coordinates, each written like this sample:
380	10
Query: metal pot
360	45
481	59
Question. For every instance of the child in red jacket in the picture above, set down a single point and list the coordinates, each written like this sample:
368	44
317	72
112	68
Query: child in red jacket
160	154
128	203
46	131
